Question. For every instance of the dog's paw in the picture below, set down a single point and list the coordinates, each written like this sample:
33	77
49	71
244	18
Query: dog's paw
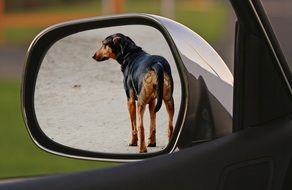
152	145
133	143
143	150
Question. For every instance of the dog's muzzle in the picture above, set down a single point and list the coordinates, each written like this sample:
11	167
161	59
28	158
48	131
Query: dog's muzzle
99	59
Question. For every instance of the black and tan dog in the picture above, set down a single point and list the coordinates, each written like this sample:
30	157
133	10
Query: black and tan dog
147	80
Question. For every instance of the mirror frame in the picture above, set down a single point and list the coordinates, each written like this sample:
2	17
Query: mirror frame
35	56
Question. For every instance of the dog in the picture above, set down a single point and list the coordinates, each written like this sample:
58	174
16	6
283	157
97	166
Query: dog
147	80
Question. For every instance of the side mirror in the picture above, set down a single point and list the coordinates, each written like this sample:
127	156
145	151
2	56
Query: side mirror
124	88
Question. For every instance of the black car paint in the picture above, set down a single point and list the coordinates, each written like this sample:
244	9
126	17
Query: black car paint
257	155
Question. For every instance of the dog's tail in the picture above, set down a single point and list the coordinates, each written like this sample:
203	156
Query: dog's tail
158	68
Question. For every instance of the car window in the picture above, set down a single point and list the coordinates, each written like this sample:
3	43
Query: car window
280	16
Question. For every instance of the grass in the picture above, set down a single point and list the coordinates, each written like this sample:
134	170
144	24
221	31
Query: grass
20	35
19	156
209	22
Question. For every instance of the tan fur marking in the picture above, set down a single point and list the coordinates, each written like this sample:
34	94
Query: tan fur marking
167	88
148	95
132	112
105	52
169	104
152	136
150	83
142	146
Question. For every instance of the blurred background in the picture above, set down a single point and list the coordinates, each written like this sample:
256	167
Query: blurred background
22	20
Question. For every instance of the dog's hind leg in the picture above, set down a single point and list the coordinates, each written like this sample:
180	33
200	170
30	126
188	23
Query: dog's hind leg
152	136
169	104
132	112
141	110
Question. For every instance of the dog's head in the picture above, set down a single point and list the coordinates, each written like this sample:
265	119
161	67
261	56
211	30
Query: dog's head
115	46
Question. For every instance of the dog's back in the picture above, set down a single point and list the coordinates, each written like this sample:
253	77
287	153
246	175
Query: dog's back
136	71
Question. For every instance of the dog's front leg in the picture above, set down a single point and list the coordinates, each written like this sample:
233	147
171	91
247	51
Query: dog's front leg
132	112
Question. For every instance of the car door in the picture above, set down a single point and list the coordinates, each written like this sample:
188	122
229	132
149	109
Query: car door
257	155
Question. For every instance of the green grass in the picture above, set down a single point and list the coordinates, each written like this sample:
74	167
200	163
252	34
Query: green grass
20	35
19	156
208	22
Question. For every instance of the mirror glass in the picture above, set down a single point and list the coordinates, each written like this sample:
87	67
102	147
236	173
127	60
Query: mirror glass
111	90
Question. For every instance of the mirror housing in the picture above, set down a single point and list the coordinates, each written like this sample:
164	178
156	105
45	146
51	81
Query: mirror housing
206	85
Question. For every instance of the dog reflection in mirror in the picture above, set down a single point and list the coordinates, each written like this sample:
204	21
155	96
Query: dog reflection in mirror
147	80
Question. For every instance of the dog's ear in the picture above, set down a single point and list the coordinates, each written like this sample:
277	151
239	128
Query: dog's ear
117	40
